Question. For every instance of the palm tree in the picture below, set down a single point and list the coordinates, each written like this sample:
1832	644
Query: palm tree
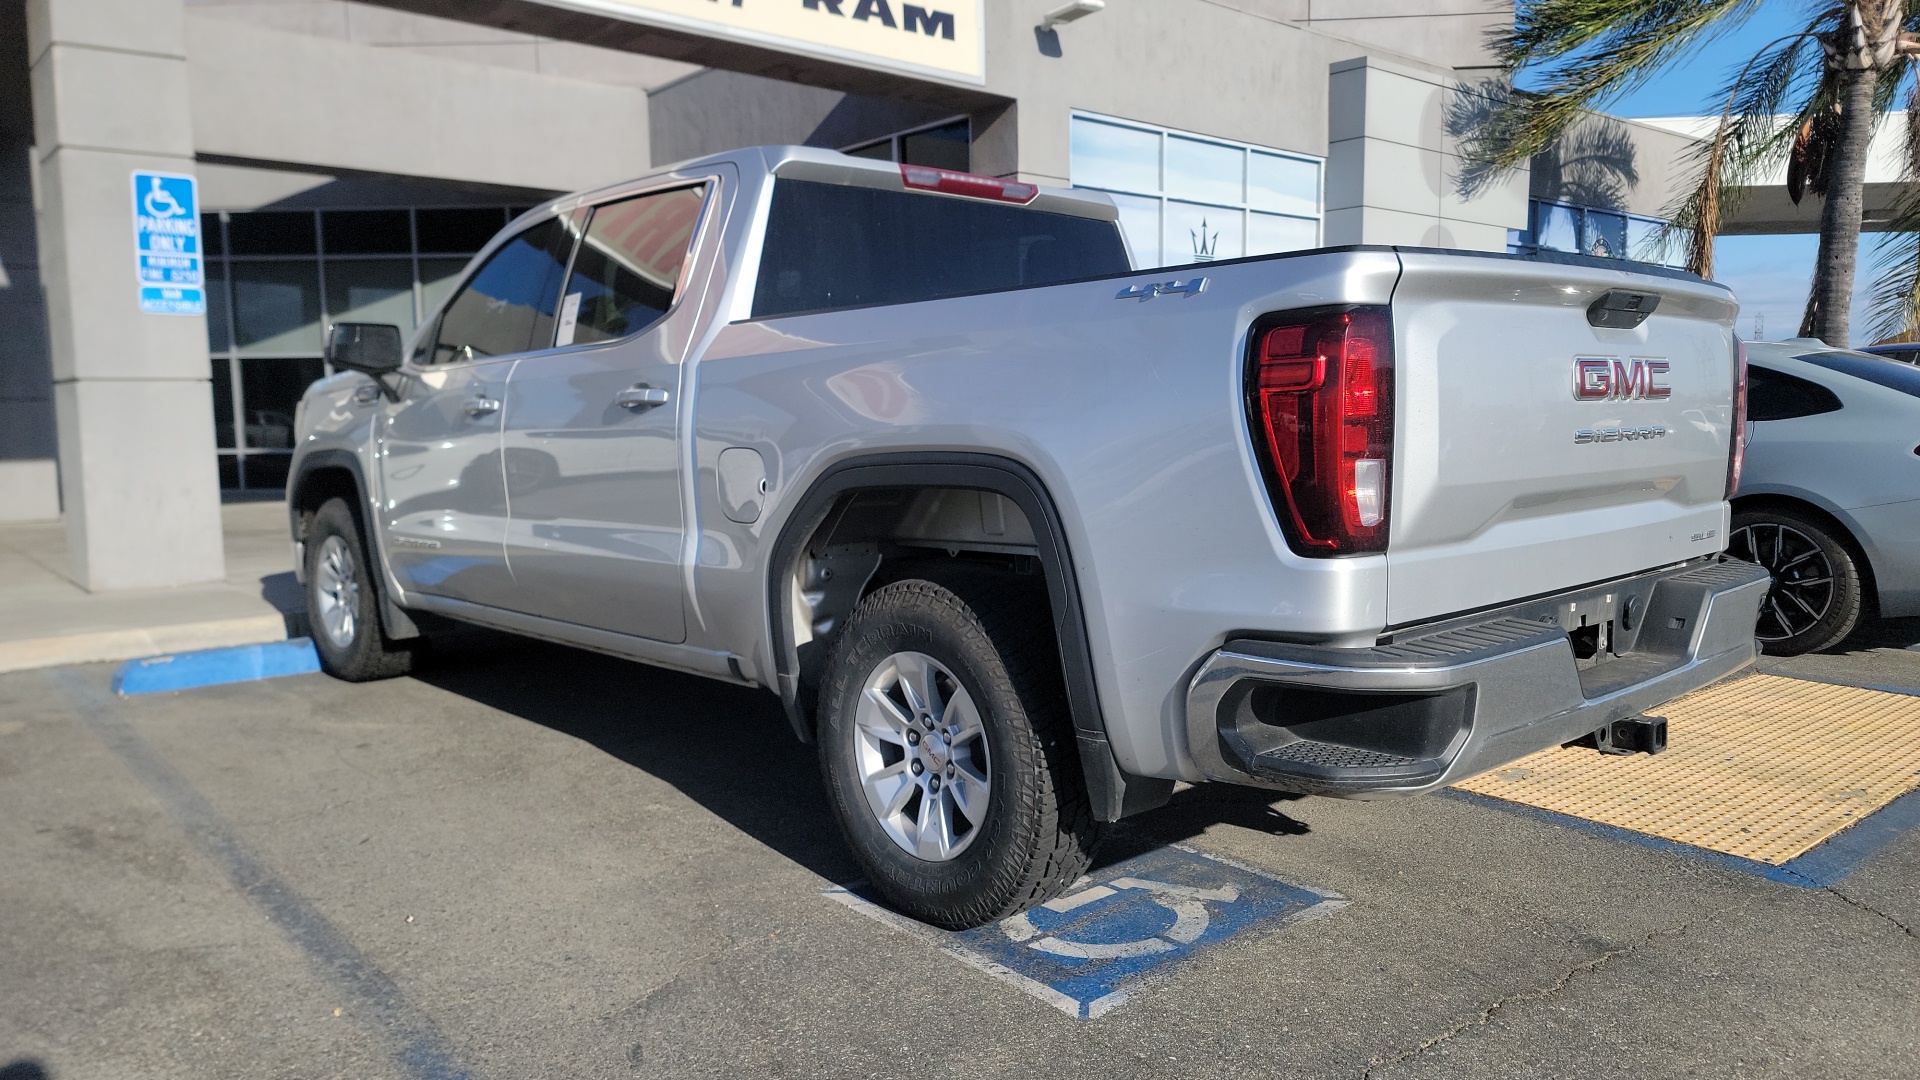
1812	98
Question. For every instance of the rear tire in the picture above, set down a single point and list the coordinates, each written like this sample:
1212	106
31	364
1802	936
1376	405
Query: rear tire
343	601
960	792
1817	593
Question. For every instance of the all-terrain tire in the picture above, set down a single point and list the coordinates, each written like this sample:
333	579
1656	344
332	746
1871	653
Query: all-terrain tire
1818	593
1038	832
343	601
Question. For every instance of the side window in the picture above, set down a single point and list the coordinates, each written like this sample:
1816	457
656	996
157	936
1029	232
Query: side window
831	246
629	264
1774	395
508	305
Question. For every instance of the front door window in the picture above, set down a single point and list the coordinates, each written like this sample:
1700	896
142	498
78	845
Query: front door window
507	306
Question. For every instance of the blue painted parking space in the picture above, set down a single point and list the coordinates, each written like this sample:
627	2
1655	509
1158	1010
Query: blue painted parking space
1116	931
212	667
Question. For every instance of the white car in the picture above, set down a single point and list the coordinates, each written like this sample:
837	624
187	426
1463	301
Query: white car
1829	500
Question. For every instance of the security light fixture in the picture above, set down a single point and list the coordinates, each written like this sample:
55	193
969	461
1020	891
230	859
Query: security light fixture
1066	13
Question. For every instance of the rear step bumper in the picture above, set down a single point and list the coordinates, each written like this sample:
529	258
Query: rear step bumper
1439	704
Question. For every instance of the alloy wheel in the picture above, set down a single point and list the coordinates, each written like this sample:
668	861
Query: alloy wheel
336	592
1803	578
920	750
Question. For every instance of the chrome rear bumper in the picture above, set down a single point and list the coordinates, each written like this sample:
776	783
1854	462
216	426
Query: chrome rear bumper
1439	704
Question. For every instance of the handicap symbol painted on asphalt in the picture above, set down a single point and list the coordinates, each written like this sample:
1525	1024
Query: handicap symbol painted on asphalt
1123	927
1190	920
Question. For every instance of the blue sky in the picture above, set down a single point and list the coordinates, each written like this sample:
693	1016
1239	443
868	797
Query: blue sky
1770	274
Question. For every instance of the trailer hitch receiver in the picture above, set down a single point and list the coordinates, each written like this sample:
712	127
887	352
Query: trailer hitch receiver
1633	735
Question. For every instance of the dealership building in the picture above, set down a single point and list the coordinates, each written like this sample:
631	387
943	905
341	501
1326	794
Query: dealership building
347	158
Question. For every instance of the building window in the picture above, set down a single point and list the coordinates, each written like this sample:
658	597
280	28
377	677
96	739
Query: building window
945	145
1188	198
1586	230
277	279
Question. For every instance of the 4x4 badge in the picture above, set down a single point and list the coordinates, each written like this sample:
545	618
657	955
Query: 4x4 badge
1189	287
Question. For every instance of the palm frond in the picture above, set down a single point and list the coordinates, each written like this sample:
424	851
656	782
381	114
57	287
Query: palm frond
1585	51
1751	136
1893	305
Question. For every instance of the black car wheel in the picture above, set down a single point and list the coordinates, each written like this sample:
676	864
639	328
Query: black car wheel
1816	597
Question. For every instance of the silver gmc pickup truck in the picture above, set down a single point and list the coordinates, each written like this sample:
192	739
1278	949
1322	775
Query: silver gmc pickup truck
1021	536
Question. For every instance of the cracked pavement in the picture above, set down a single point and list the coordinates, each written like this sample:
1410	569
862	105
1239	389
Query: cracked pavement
570	866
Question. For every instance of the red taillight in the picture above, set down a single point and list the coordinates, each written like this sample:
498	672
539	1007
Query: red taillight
1321	396
1737	451
948	182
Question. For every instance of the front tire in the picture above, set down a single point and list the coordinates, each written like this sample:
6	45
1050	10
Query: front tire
1817	593
949	754
343	601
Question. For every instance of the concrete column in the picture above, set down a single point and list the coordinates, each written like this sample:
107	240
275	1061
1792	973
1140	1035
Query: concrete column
29	483
139	488
1393	168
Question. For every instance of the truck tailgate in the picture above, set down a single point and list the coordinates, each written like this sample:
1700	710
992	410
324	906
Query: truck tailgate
1512	476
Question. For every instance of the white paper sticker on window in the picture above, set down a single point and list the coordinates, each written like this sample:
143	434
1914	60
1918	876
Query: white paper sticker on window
569	314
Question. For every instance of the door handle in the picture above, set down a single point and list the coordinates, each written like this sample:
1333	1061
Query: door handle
481	406
640	397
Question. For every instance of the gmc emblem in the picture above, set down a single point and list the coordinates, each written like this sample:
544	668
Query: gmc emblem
1595	379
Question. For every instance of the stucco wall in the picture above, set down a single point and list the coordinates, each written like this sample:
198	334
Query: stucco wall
302	99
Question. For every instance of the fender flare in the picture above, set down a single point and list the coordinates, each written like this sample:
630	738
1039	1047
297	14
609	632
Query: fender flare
1113	793
397	624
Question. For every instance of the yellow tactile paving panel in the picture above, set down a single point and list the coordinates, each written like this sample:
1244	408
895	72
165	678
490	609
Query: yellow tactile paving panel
1762	767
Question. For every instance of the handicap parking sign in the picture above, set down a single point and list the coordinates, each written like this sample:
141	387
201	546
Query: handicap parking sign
167	253
1122	927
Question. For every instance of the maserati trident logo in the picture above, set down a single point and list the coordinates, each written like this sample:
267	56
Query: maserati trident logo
1205	244
1607	379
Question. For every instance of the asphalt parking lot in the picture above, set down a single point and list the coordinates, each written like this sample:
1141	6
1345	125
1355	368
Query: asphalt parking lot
528	861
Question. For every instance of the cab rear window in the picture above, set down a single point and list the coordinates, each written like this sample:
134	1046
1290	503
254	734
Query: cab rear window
1879	370
831	246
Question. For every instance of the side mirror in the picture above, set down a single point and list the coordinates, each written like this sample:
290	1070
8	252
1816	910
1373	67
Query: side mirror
369	348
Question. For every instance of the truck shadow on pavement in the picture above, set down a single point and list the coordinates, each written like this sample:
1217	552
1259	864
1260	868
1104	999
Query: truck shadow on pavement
726	747
729	748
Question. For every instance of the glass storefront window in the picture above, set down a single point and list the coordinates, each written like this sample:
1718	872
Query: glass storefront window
1196	233
276	306
945	145
1205	171
1643	243
1286	185
1556	227
1111	156
266	472
222	371
1140	222
949	146
271	232
371	291
1608	234
276	279
1270	233
270	389
366	232
1186	198
461	230
219	327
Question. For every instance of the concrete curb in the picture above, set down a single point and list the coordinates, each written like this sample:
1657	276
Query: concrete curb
131	644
